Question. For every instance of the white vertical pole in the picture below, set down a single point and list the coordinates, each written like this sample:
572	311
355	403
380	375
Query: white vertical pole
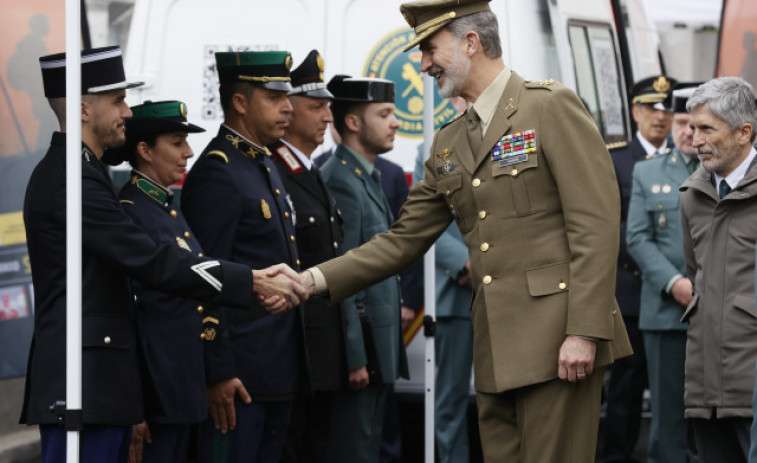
73	221
429	286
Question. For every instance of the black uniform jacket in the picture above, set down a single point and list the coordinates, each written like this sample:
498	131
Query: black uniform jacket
628	280
170	328
319	234
113	249
236	204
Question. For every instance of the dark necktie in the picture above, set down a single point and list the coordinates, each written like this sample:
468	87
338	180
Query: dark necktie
474	131
724	189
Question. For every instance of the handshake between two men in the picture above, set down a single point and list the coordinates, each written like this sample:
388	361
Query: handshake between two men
279	288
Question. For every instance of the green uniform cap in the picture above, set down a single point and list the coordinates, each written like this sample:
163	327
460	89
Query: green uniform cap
428	16
269	69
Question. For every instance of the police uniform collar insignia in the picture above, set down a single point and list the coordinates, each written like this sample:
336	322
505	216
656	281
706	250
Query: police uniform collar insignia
87	153
514	148
265	209
245	146
150	188
183	244
289	158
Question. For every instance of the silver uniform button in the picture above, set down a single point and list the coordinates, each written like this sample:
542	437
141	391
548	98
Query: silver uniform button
107	339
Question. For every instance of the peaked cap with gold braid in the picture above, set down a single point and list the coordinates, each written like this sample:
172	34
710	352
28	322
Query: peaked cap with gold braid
428	16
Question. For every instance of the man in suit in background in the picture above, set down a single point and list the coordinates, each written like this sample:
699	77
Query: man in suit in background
654	242
628	377
526	176
319	233
363	111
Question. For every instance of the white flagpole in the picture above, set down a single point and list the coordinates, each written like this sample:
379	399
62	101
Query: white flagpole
73	228
429	287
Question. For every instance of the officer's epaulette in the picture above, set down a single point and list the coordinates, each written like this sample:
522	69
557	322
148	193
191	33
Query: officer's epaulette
452	120
547	84
219	154
616	145
126	201
289	158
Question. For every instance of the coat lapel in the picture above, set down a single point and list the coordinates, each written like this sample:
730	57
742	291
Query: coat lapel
374	190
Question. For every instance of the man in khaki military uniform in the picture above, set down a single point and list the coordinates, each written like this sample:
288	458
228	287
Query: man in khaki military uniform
527	177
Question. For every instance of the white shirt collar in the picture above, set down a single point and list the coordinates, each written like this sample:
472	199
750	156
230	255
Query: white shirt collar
738	173
649	147
487	102
300	155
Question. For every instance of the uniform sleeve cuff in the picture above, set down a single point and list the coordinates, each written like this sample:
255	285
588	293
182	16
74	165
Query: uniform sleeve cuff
321	287
669	286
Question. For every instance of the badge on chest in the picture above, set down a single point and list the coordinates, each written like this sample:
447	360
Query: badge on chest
514	148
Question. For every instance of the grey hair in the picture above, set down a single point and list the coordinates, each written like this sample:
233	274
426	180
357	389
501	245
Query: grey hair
485	25
730	99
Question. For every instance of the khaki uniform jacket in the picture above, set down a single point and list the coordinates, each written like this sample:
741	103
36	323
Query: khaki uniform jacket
719	245
542	236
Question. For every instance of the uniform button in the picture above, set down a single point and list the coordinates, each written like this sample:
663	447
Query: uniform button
200	309
173	213
447	272
402	301
562	286
399	278
482	215
107	339
476	182
344	162
487	280
311	220
298	262
514	172
625	266
336	245
659	207
268	169
636	273
203	336
484	247
278	192
286	215
135	298
614	312
199	254
291	238
332	220
447	192
186	235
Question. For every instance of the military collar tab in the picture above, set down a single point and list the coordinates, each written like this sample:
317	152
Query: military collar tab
244	145
150	187
87	153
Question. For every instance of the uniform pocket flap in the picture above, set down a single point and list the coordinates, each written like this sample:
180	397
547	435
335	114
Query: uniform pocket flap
549	279
447	185
690	308
513	166
661	203
745	304
104	331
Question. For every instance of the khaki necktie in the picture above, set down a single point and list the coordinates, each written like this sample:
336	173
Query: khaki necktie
474	131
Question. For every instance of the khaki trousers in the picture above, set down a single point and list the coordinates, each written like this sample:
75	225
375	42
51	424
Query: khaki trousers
552	422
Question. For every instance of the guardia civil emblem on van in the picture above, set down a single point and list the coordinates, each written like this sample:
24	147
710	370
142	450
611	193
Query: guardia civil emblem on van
388	61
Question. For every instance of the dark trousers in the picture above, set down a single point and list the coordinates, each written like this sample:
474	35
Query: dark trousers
170	443
357	420
258	438
97	444
391	431
628	378
550	422
308	435
724	440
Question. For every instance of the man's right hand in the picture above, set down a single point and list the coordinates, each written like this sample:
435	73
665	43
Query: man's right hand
682	291
221	403
279	288
358	379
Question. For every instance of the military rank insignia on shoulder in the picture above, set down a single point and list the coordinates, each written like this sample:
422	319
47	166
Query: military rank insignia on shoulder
127	201
218	155
541	83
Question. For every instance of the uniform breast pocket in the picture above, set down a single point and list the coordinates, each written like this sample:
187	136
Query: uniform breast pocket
451	187
516	178
664	212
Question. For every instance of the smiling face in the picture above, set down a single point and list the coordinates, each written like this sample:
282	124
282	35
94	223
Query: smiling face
720	149
654	124
166	162
444	58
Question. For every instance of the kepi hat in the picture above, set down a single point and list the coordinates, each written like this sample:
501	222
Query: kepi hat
102	70
348	89
681	94
267	69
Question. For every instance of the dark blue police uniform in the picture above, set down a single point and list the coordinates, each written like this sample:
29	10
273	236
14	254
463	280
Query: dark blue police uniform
237	205
170	330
